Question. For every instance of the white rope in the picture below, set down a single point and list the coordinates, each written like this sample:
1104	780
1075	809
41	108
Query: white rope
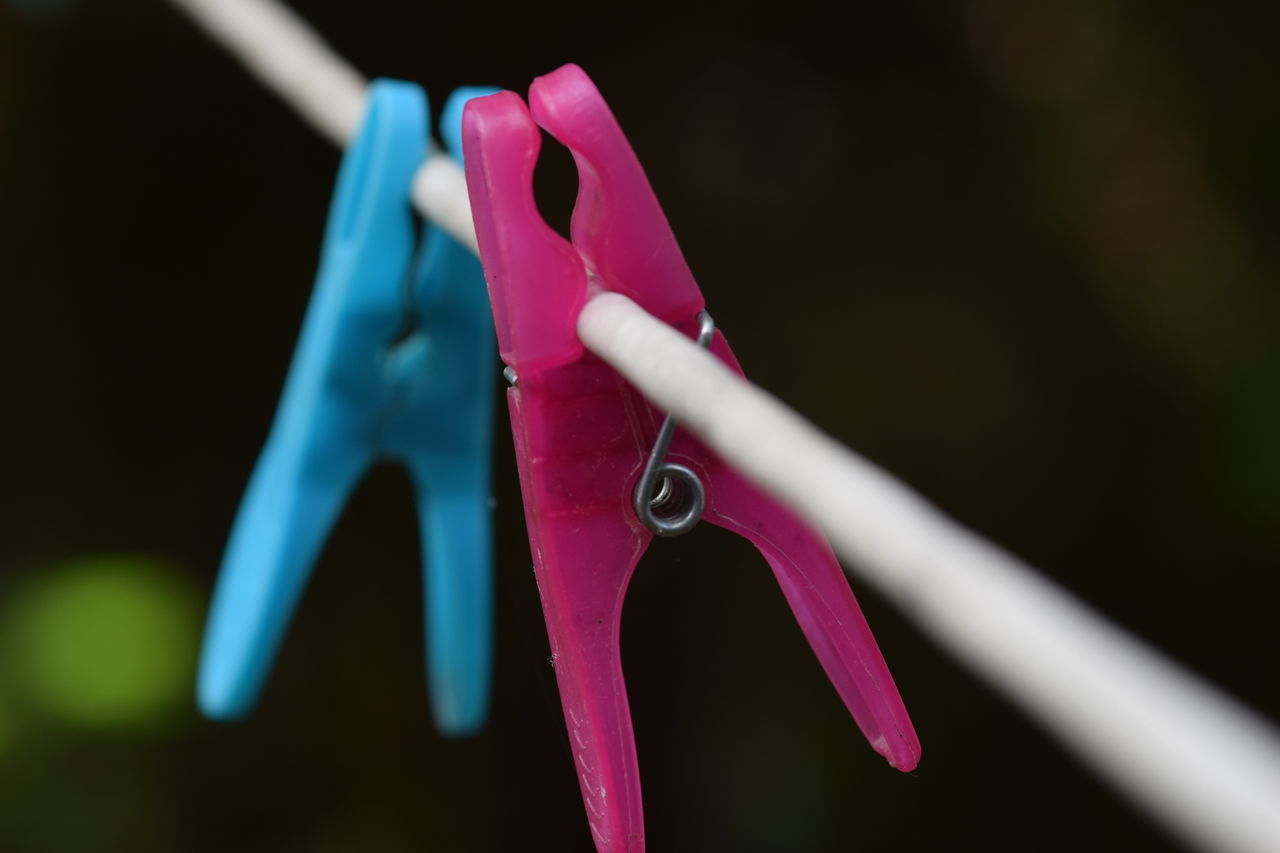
1195	758
1199	762
288	56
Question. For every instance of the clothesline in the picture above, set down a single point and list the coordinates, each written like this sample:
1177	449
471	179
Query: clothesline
1200	763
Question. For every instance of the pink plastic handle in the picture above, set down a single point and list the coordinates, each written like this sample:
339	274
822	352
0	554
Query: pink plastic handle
824	605
573	450
582	436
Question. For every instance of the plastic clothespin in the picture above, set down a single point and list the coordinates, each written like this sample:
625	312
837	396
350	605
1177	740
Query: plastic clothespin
582	435
394	361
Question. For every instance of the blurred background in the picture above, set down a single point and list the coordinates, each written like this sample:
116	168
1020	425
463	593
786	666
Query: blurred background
1020	254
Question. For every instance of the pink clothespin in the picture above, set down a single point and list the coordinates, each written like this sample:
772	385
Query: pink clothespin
583	436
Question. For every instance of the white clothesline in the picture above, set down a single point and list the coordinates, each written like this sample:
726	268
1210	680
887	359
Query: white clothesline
290	58
1199	762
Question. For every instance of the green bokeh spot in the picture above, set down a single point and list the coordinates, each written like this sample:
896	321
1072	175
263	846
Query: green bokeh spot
106	642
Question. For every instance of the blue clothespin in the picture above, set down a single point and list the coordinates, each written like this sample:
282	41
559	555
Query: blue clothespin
395	361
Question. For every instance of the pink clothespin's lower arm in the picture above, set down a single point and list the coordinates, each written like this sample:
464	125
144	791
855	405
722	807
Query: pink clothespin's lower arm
573	448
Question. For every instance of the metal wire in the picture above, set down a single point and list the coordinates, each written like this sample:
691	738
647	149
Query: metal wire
677	507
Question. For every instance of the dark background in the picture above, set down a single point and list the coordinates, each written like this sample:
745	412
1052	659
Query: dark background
1019	253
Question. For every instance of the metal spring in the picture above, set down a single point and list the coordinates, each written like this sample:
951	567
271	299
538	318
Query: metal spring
680	499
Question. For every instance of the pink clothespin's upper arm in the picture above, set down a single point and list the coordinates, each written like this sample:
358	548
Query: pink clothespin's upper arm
535	321
621	232
618	226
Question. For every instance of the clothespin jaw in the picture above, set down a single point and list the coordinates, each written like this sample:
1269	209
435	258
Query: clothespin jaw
618	226
582	435
359	389
535	320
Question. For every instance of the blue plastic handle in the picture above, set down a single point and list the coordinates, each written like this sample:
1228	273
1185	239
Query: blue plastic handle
358	391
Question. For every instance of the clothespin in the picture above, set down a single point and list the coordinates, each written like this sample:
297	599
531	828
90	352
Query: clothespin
583	437
394	361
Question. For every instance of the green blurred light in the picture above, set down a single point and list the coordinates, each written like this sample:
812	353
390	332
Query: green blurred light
106	642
